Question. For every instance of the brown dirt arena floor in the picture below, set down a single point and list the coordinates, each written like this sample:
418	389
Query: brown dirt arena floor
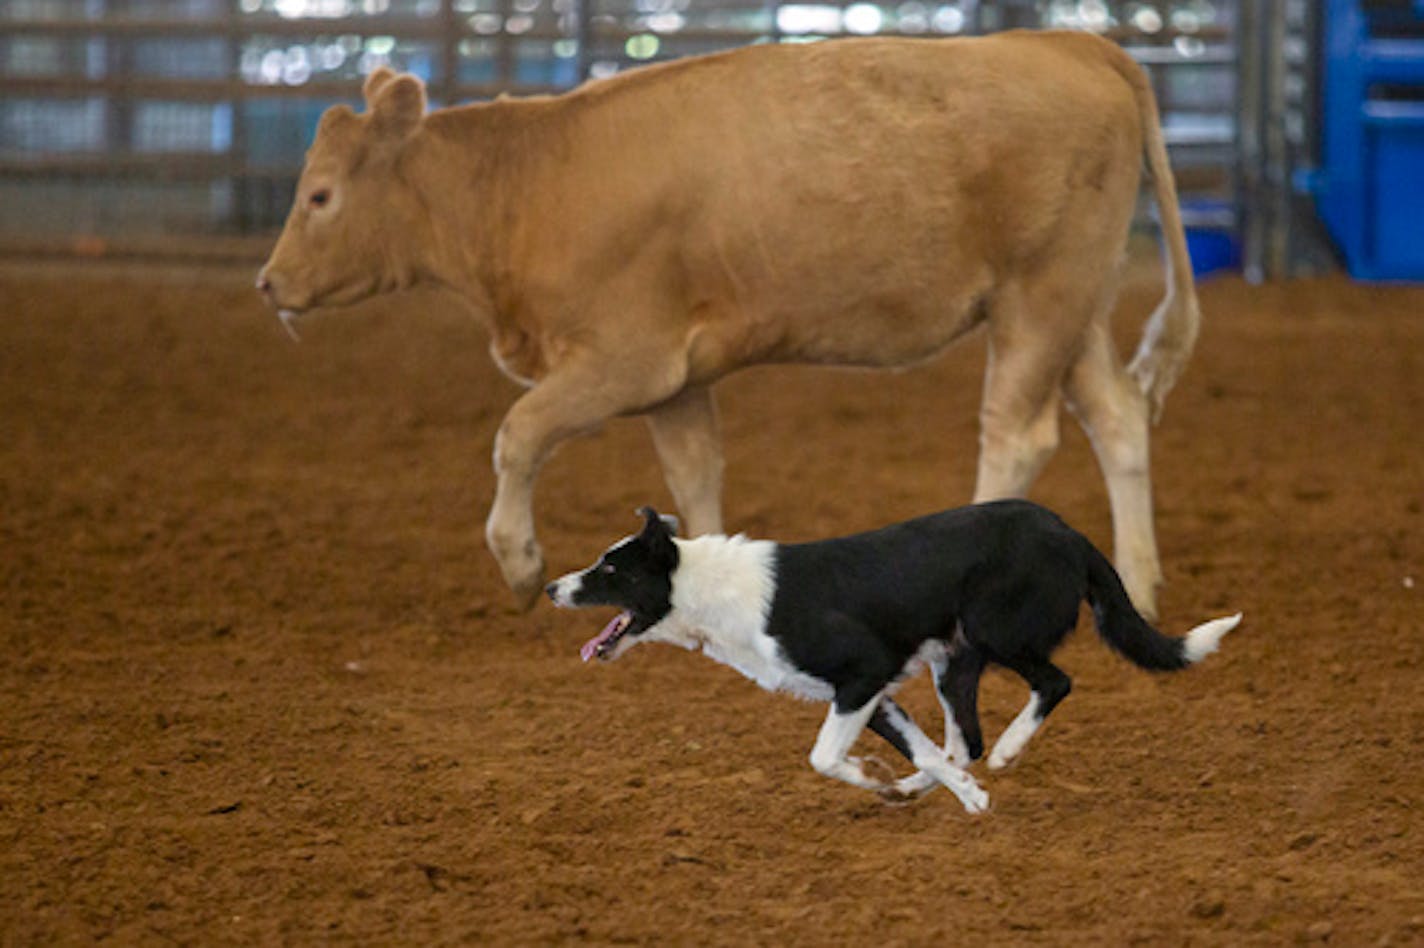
260	683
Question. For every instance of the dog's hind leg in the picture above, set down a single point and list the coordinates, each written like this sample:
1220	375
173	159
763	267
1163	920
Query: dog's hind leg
956	680
1050	686
892	723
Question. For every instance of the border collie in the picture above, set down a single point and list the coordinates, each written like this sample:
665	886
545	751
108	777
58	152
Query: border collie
847	620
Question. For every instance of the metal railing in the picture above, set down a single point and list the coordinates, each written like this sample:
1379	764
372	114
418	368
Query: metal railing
178	126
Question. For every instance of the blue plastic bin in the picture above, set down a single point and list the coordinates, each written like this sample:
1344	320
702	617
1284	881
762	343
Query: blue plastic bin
1212	251
1370	188
1395	213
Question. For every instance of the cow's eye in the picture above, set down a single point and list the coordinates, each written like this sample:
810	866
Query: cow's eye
319	198
606	568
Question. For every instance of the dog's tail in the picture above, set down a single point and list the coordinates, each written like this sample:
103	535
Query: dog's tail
1123	627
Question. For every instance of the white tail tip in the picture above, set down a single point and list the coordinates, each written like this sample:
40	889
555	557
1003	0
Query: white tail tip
1204	639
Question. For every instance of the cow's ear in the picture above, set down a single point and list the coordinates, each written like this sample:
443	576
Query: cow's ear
378	78
397	107
337	129
335	119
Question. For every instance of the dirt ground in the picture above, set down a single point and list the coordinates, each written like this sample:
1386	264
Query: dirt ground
260	682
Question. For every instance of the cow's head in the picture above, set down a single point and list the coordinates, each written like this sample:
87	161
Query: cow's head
356	217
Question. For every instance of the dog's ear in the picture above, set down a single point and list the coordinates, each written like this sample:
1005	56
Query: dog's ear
657	534
668	520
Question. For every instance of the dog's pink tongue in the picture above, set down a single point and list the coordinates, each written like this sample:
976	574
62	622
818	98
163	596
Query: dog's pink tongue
611	629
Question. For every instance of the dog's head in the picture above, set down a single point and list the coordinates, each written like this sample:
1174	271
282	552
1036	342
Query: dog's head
635	575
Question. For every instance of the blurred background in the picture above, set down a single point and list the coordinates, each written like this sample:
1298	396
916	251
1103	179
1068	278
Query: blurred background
176	128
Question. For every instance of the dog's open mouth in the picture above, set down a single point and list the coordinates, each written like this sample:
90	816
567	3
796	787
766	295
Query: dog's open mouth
601	645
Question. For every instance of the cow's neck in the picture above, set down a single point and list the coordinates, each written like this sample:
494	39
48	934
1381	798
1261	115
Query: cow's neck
477	163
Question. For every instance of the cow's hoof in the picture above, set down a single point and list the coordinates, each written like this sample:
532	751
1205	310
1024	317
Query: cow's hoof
525	599
528	590
522	565
1142	590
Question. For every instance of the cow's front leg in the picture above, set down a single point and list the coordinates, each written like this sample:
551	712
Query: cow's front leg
571	400
689	446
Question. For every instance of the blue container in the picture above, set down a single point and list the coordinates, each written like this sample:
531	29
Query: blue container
1394	228
1370	189
1212	251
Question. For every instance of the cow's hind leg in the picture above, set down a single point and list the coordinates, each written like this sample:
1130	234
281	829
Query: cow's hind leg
1114	413
572	399
685	434
892	723
1049	686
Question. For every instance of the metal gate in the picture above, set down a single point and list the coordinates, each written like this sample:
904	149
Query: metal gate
177	126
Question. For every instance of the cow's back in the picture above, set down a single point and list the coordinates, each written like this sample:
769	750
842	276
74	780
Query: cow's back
847	201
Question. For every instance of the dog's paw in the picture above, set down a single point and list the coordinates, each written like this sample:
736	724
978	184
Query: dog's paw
906	791
999	759
894	796
973	796
916	784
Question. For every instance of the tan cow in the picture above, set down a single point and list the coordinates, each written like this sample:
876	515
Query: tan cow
857	202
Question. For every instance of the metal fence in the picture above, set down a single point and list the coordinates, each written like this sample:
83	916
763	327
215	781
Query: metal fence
178	126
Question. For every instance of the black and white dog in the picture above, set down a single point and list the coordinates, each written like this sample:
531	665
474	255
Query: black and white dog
846	620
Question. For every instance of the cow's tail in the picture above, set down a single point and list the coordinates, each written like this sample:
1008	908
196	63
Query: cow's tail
1171	333
1123	627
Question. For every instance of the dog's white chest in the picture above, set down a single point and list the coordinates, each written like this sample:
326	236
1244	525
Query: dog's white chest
759	659
802	686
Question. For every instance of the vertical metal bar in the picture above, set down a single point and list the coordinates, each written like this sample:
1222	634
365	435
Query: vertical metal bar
119	118
451	33
118	123
1248	43
1274	142
773	9
583	35
972	12
241	180
990	18
1304	251
504	45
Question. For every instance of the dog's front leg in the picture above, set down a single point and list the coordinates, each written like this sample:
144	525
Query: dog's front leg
893	724
841	728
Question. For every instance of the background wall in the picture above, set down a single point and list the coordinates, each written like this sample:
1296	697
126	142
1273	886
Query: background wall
178	126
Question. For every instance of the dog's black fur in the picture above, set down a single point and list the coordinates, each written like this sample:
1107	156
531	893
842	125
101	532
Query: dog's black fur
1000	582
